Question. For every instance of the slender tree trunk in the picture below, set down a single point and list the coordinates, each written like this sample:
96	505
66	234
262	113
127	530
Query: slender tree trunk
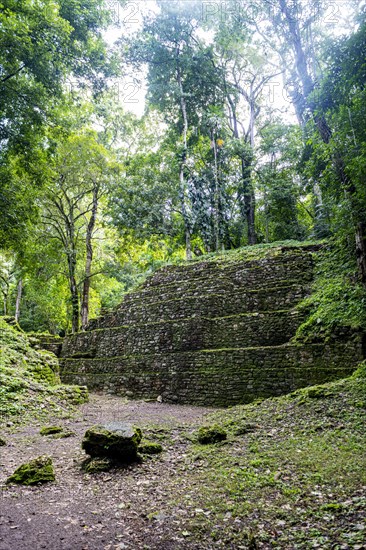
217	196
72	264
361	250
74	294
252	237
18	300
266	221
248	207
325	133
245	191
182	182
188	245
5	293
89	258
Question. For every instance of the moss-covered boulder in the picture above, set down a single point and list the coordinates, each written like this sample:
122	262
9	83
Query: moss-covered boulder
2	442
39	470
211	434
150	448
49	430
118	441
64	434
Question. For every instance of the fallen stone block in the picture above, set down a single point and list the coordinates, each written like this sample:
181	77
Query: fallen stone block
118	441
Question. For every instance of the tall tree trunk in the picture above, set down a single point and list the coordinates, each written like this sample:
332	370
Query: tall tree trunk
361	250
216	195
252	237
266	221
5	293
248	202
18	300
182	181
89	258
72	264
325	132
245	191
74	294
188	244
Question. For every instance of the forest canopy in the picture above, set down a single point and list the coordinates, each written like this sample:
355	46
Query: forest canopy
252	131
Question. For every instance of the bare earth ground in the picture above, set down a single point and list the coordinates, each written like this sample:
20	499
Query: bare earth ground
290	476
109	510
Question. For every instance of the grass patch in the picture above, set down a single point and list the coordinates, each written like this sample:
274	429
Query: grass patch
295	478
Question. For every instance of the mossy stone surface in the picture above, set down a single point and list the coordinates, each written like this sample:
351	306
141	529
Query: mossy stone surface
211	434
96	465
2	442
150	448
115	440
217	332
63	435
29	378
49	430
39	470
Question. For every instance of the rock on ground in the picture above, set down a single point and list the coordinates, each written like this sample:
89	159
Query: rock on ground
115	440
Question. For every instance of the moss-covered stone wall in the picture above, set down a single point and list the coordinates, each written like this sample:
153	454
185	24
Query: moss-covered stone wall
195	333
47	342
216	332
215	377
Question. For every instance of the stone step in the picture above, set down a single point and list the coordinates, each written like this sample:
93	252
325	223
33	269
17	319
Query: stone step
228	282
272	263
210	333
136	310
216	377
275	266
195	333
219	287
215	288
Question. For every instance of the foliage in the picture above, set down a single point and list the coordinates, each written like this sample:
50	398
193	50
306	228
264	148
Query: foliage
337	302
29	379
41	44
94	198
280	185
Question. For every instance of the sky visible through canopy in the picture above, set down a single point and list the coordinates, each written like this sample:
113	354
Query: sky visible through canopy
128	20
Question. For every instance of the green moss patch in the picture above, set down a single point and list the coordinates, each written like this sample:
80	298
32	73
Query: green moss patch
39	470
48	430
64	434
150	448
29	380
211	434
300	472
56	432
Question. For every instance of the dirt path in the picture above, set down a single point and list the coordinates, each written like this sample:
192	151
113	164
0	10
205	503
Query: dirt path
133	508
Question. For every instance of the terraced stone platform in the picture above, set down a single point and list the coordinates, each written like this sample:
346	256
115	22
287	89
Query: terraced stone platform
215	332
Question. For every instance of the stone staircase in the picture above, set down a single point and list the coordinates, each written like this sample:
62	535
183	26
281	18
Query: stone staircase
215	332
